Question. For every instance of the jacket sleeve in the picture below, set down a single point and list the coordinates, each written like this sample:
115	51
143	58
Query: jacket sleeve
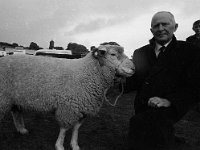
186	96
132	83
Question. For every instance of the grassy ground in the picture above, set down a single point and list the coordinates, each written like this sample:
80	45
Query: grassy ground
107	131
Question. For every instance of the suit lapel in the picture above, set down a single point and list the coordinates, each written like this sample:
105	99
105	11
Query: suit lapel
163	63
156	67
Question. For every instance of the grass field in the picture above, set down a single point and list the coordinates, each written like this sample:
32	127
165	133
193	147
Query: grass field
107	131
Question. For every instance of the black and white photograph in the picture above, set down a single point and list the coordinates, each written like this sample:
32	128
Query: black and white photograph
99	75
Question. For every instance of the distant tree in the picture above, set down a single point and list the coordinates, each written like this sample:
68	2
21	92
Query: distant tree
34	46
6	44
71	46
15	45
77	48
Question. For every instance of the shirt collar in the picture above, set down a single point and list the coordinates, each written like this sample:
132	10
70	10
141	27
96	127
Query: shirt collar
158	46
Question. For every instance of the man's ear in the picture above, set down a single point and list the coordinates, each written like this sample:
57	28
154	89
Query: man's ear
193	29
176	27
151	30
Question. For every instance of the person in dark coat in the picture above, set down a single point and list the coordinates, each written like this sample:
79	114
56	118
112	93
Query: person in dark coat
195	39
167	80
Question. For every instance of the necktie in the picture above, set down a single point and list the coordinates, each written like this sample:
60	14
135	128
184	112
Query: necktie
161	51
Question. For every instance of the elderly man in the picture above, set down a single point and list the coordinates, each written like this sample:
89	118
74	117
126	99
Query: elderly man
167	82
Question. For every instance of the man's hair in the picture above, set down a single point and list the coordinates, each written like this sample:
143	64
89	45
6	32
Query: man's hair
172	16
196	23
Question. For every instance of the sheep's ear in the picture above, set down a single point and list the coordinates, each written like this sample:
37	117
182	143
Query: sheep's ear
99	52
95	52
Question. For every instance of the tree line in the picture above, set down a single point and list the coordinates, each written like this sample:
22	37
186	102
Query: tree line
74	47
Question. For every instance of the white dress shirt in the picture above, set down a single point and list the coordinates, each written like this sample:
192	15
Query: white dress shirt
158	46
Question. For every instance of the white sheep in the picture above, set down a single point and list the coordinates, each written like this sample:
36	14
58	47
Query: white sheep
72	89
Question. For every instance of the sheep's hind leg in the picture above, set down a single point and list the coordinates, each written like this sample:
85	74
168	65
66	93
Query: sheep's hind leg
18	120
74	140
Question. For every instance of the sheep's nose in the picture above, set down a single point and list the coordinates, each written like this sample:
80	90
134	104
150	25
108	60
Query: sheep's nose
130	71
133	70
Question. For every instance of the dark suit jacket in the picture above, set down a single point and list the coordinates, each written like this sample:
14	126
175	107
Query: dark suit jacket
175	76
194	40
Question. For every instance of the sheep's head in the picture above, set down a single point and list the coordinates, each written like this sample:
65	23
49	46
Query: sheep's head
113	56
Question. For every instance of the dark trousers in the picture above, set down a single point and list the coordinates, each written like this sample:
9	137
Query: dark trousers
152	129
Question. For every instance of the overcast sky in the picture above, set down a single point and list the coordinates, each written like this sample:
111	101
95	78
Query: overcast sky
90	22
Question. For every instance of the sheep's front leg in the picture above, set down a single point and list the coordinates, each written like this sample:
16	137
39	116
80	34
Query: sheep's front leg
60	140
74	140
19	122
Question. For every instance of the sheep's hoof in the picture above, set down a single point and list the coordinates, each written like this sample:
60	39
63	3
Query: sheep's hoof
76	147
58	147
23	131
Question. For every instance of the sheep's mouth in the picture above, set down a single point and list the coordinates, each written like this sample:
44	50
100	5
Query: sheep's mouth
118	76
124	74
129	74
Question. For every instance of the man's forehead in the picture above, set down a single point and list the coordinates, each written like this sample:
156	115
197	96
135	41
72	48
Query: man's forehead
161	17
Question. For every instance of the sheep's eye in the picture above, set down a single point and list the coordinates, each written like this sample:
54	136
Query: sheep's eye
113	54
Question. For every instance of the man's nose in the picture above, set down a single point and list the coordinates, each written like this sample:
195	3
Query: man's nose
160	27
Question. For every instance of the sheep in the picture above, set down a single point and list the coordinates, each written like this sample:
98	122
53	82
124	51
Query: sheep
72	89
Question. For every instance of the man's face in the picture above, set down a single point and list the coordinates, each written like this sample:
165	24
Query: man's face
163	27
196	29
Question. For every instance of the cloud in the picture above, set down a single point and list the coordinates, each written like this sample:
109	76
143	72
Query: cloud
125	33
131	32
95	23
89	22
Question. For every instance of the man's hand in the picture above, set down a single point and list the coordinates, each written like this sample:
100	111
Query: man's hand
158	102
